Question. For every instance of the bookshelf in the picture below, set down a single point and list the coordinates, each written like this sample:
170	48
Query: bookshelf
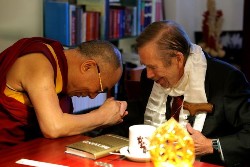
75	21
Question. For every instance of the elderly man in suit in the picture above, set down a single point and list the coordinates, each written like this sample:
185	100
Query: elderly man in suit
176	67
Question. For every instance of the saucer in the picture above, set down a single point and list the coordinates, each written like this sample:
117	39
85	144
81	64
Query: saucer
124	151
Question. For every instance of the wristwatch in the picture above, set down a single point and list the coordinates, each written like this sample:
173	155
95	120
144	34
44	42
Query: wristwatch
215	144
217	148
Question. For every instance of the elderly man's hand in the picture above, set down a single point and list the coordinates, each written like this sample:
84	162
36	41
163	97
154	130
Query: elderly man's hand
202	144
123	108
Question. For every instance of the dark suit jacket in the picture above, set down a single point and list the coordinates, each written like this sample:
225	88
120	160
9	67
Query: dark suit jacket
228	90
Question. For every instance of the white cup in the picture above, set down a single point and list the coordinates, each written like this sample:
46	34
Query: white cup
139	139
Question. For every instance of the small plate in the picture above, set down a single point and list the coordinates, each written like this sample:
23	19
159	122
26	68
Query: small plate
124	151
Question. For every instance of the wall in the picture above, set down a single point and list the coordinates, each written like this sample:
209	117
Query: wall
189	13
18	19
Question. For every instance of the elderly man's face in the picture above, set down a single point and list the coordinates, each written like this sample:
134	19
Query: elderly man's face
165	75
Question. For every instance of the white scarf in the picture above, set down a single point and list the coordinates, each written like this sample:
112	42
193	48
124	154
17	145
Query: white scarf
191	85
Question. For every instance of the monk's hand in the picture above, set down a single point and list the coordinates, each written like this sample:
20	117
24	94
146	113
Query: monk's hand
113	111
202	144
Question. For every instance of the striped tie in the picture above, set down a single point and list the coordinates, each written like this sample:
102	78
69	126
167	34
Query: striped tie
176	107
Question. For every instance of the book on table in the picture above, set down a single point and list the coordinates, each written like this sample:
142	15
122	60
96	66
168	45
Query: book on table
97	147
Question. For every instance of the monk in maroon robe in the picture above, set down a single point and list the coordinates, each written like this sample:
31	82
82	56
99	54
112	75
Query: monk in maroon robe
18	121
24	115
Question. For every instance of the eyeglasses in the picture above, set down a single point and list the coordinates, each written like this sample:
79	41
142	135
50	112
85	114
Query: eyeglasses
100	79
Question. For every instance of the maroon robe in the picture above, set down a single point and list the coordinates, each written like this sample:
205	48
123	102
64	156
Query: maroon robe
18	122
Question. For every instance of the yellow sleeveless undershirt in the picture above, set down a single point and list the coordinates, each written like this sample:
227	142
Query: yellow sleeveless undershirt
22	97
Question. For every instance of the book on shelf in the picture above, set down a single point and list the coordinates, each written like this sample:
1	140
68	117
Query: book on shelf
56	21
92	25
130	21
148	11
157	10
97	147
101	6
61	21
138	7
72	24
147	14
80	25
117	21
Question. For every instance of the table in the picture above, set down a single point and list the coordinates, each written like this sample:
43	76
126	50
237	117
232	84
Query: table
52	151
